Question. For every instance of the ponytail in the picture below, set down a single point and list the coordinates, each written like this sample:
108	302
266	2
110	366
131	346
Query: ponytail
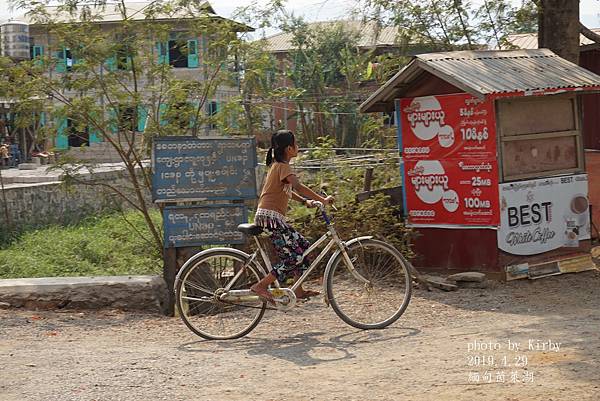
269	159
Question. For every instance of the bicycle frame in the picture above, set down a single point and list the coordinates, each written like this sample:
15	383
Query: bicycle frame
334	240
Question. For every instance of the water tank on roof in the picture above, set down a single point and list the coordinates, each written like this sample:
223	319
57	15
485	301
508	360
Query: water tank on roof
15	40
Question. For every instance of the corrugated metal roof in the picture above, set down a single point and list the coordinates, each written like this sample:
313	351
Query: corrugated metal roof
530	40
109	13
488	72
282	42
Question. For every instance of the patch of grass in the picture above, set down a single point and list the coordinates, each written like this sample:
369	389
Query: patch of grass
98	246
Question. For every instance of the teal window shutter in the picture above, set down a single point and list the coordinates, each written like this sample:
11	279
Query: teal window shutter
193	121
163	52
111	63
61	61
161	112
42	119
62	139
192	47
93	131
142	117
112	120
94	137
38	51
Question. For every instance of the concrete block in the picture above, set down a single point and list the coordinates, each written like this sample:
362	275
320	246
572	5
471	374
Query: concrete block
439	282
122	292
467	276
27	166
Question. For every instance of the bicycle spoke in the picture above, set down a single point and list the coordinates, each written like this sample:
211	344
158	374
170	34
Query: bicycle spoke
210	317
383	300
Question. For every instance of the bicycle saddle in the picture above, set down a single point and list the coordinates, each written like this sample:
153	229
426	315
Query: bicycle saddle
249	229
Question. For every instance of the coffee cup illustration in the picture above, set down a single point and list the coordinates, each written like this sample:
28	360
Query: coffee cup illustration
579	204
579	207
571	233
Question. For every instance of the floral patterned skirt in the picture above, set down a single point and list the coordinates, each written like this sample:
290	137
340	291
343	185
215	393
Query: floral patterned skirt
289	246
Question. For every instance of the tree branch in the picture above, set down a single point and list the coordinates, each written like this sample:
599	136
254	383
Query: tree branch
588	33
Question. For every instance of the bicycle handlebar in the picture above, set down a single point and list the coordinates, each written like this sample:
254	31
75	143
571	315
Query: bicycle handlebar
321	207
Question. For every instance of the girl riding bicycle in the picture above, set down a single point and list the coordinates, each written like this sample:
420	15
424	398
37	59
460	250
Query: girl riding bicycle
280	185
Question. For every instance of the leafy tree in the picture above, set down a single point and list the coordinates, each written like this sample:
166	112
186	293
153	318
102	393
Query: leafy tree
446	25
120	80
327	67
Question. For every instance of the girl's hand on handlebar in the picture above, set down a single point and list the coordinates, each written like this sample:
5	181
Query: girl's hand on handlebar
310	203
329	200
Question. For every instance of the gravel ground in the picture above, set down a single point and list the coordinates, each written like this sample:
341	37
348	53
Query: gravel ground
447	346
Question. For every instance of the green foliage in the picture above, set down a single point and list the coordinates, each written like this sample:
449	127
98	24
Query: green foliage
323	149
113	83
445	25
374	216
326	67
101	245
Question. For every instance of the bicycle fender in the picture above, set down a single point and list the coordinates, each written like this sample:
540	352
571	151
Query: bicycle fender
208	252
332	258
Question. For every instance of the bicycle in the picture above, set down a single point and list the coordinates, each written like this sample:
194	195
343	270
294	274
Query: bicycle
213	297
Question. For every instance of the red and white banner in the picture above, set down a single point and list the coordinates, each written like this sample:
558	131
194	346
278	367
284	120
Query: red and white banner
448	127
452	192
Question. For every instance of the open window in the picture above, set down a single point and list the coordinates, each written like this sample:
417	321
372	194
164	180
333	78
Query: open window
69	60
179	53
127	120
36	51
123	59
77	136
212	110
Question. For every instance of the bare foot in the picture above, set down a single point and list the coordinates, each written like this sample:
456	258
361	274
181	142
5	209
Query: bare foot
262	293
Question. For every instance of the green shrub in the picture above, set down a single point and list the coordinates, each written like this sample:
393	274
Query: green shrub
100	245
374	216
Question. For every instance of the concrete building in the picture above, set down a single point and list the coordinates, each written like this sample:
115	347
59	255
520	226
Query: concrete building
184	52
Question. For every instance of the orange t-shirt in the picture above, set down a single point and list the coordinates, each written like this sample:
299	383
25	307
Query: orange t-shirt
276	192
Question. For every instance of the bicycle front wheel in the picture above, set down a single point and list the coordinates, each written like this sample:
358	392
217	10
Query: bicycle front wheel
377	292
197	296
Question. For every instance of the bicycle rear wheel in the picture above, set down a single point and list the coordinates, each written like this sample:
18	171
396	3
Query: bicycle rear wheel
197	291
378	293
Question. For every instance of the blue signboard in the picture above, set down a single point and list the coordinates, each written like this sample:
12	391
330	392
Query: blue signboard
192	169
203	225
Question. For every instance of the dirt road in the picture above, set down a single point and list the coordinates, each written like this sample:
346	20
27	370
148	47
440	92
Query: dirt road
447	346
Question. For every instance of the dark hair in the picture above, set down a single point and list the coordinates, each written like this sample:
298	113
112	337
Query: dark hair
279	141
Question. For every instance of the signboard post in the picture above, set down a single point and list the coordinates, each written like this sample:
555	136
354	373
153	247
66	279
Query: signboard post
196	170
450	163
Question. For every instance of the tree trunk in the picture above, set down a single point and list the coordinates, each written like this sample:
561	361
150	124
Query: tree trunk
559	28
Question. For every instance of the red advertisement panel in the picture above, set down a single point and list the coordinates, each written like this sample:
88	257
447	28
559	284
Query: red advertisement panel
452	192
448	127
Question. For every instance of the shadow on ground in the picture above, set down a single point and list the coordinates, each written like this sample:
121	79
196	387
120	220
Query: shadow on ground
307	349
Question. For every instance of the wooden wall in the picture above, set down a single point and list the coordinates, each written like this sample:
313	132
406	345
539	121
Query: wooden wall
590	59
